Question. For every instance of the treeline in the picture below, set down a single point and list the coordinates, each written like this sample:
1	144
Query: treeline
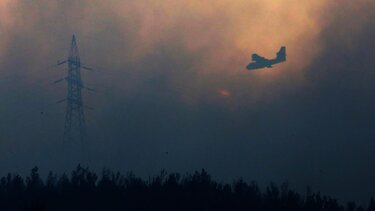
85	190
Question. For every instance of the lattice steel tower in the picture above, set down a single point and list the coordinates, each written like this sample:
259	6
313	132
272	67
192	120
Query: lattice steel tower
75	125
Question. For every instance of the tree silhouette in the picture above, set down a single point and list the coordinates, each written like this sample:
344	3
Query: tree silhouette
85	190
371	206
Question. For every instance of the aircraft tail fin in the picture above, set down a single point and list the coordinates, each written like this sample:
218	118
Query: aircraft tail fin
281	55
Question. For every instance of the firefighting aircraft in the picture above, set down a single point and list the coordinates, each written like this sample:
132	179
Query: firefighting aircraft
261	62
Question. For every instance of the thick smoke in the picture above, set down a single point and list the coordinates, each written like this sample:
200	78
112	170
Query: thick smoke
215	37
171	77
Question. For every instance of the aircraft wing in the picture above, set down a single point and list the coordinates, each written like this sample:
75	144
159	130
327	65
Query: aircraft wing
257	58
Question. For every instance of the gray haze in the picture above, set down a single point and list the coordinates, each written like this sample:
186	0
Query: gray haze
310	125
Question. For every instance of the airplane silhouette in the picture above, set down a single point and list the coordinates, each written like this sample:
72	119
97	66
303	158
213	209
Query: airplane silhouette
261	62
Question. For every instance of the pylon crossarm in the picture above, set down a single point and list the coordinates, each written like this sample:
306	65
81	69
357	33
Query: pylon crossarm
60	101
60	63
59	80
90	89
86	68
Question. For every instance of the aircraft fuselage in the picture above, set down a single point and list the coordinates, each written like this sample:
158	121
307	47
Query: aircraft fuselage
267	64
261	62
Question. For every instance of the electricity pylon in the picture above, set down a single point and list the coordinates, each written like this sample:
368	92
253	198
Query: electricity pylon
75	125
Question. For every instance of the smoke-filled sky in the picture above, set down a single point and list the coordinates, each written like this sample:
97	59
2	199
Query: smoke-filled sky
170	77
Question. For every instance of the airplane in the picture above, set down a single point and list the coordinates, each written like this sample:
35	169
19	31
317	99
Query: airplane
261	62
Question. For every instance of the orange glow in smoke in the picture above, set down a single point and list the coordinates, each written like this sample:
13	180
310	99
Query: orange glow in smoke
224	93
